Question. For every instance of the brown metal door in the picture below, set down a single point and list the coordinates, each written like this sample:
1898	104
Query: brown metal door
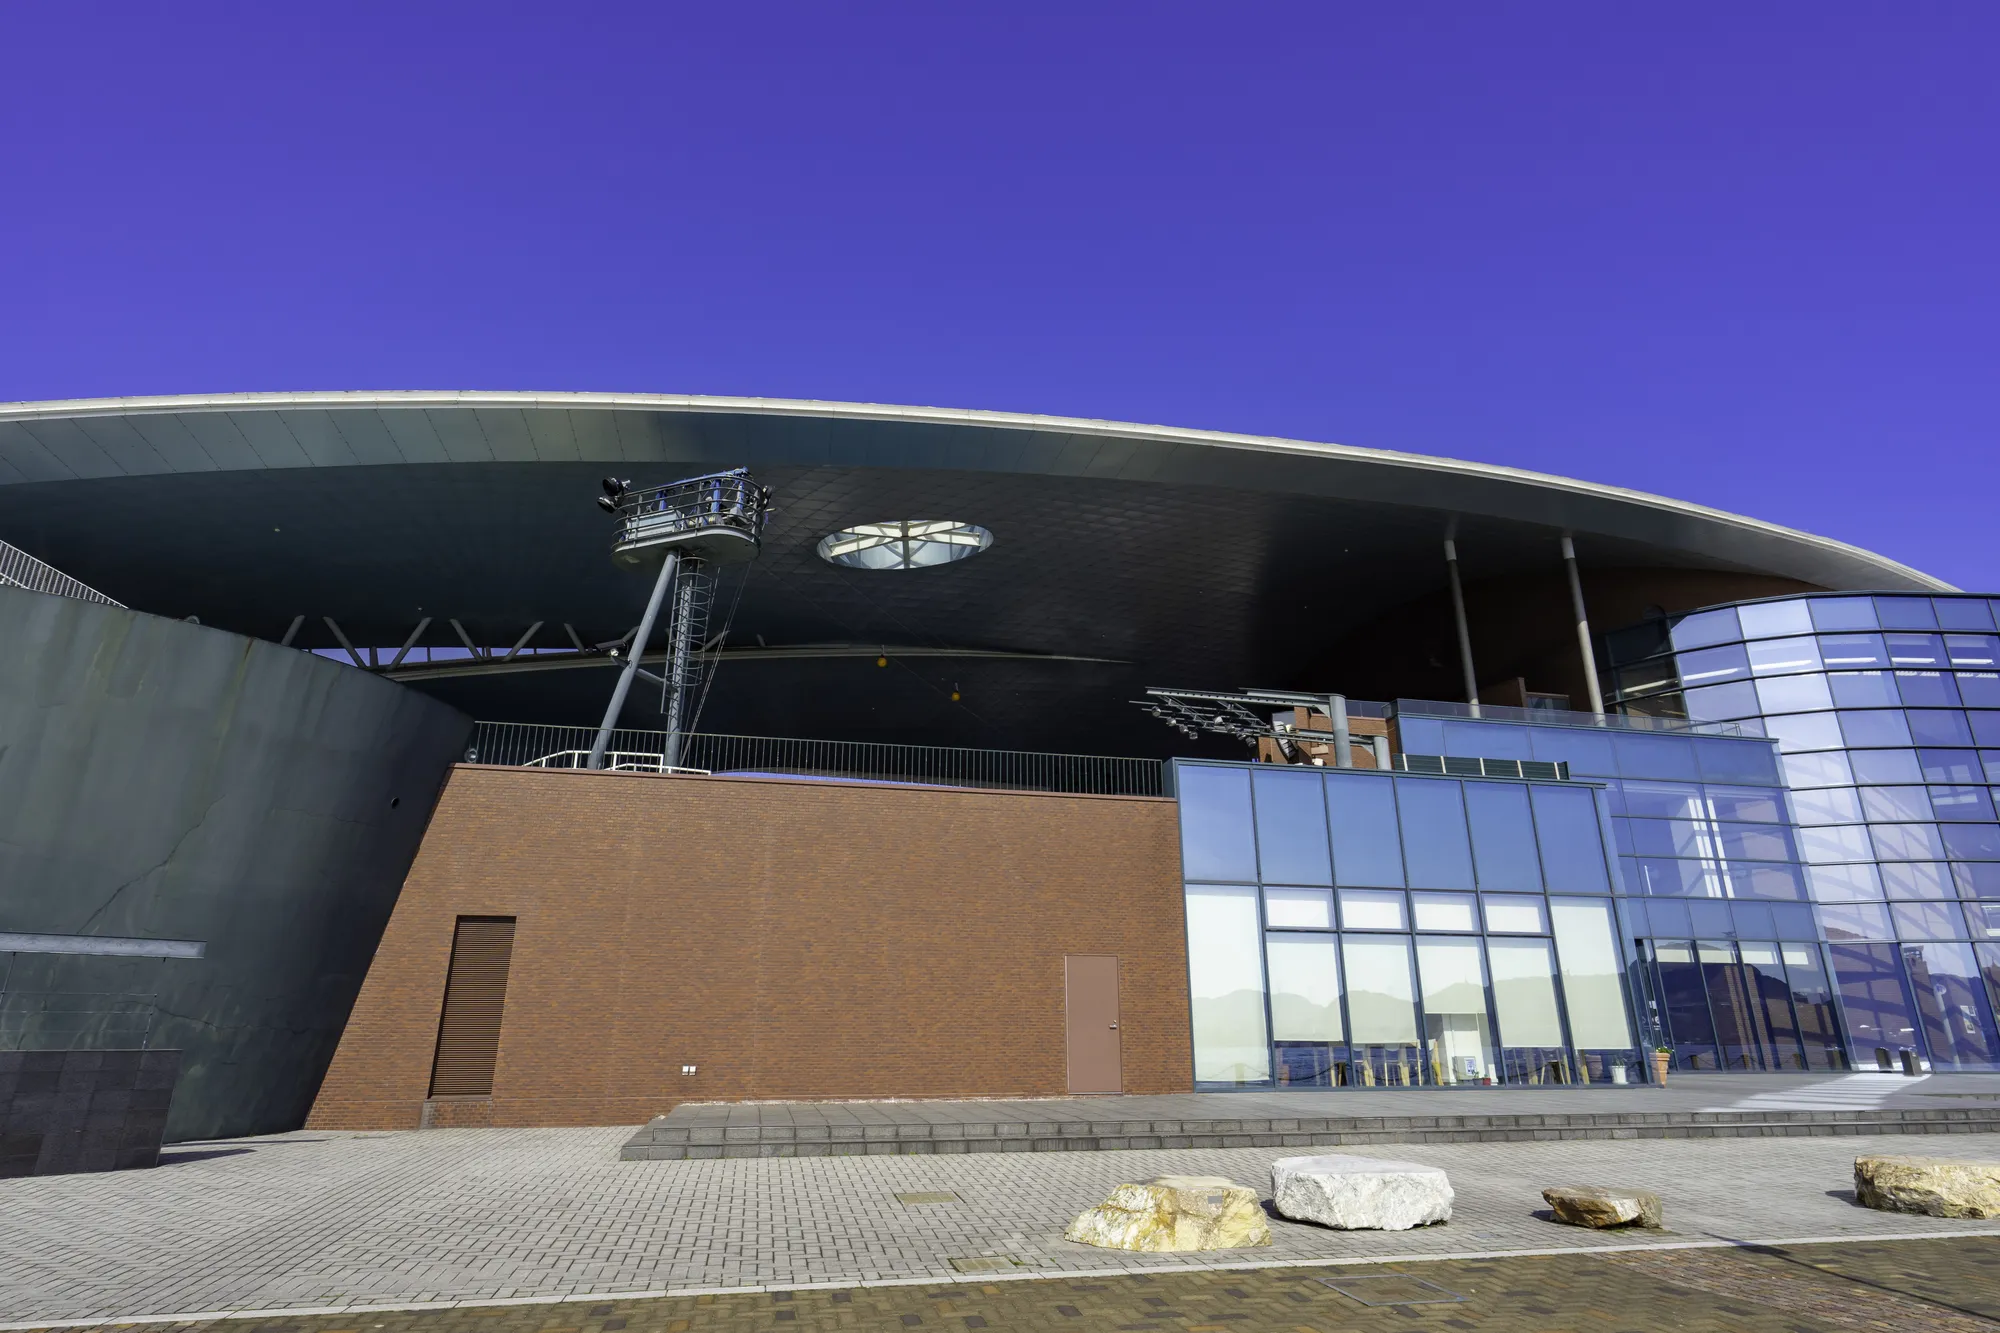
1092	988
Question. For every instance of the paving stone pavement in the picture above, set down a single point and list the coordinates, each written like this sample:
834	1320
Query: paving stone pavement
1909	1286
326	1221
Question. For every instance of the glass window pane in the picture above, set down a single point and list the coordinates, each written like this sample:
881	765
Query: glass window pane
1458	1039
1514	914
1824	844
1298	909
1977	879
1664	800
1972	842
1973	650
1722	703
1890	805
1936	726
1434	839
1216	838
1907	842
1588	753
1665	878
1291	827
1487	740
1879	1016
1875	728
1985	920
1917	879
1226	984
1767	880
1305	987
1754	805
1794	922
1724	760
1587	941
1827	805
1853	650
1371	909
1955	767
1855	921
1816	770
1845	884
1905	613
1503	836
1915	650
1927	689
1381	1001
1962	613
1778	657
1362	812
1990	764
1794	694
1886	768
1952	1006
1864	689
1842	613
1713	666
1572	840
1928	921
1985	727
1643	756
1962	803
1979	689
1763	620
1524	993
1704	628
1445	911
1756	842
1804	731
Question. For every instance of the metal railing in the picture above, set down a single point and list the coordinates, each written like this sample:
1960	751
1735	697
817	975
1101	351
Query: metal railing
523	744
18	569
1554	717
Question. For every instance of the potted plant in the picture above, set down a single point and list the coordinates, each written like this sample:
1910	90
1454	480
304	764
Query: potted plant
1662	1056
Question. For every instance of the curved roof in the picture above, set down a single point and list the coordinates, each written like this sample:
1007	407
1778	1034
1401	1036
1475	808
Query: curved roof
1123	555
80	439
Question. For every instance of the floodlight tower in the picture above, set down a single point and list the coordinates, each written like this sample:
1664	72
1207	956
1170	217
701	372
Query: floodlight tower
681	532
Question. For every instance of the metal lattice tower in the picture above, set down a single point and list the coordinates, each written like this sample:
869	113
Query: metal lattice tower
683	531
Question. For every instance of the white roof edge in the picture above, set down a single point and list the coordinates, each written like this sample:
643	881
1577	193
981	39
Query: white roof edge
806	407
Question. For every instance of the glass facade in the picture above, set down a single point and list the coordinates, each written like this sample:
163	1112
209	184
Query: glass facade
1885	716
1376	929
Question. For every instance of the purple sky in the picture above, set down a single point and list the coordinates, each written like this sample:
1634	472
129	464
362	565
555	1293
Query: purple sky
1744	255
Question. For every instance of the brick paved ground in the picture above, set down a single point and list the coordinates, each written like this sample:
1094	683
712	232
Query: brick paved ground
319	1220
1911	1286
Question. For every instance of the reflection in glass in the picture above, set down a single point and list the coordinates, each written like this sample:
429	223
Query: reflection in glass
1853	650
1864	689
1855	921
1934	726
1907	842
1514	914
1226	984
1816	770
1889	805
1291	827
1458	1041
1916	879
1845	884
1948	766
1972	650
1684	1002
1812	1002
1435	848
1756	805
1524	998
1928	921
1962	804
1371	909
1445	911
1880	1020
1713	666
1381	1009
1804	731
1216	841
1645	756
1721	703
1592	980
1832	843
1774	657
1705	628
1886	768
1915	650
1298	909
1827	805
1880	727
1305	1007
1842	613
1927	689
1793	694
1362	813
1762	620
1952	1005
1764	976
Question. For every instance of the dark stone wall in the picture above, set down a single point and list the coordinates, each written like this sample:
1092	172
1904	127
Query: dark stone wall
63	1111
163	780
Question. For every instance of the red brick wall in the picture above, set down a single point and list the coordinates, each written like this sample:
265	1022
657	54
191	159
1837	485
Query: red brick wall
791	939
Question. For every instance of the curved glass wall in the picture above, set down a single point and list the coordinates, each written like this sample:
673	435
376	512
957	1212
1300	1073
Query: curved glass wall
1376	929
1885	711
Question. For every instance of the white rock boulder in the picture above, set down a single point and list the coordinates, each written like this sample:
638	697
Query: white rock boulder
1174	1214
1360	1193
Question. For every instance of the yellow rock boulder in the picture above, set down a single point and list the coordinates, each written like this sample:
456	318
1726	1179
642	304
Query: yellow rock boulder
1174	1214
1935	1186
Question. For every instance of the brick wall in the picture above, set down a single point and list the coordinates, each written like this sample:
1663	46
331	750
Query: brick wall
791	939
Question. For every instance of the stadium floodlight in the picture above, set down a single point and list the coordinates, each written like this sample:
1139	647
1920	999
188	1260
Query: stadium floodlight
681	530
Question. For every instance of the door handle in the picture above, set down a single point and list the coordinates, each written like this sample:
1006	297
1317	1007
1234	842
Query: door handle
1114	1027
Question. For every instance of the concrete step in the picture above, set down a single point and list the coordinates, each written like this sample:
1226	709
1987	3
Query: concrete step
705	1134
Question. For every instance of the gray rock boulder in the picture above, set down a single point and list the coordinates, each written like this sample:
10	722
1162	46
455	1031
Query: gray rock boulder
1360	1193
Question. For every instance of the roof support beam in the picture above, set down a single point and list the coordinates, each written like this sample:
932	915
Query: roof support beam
411	642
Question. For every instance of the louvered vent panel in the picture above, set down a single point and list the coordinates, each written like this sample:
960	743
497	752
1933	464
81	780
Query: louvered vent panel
475	993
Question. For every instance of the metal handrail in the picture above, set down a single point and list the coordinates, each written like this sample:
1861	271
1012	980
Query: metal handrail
1554	717
524	744
18	569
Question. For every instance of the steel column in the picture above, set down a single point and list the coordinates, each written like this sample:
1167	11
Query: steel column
667	568
1458	620
1582	629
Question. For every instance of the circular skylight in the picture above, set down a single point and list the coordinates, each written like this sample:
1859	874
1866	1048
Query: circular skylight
909	544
